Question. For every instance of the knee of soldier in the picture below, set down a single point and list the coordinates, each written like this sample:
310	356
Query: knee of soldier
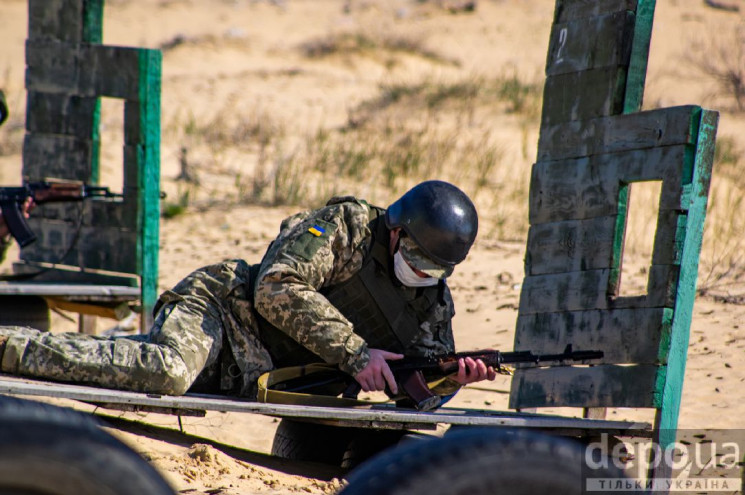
173	379
174	384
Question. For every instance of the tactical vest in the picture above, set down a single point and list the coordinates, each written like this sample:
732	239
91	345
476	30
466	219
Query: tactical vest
384	313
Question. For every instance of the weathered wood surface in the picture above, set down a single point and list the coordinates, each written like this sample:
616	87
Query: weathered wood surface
60	114
91	212
96	248
376	416
591	43
83	70
583	95
590	386
73	21
588	187
634	335
591	289
573	245
51	155
84	291
43	275
572	10
686	293
664	127
576	245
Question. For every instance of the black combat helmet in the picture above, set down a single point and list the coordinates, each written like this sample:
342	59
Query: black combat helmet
439	217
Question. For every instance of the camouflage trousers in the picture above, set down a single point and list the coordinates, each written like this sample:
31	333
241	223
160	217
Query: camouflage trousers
204	332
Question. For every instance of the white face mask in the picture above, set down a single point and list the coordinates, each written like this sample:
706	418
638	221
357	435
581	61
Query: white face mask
407	276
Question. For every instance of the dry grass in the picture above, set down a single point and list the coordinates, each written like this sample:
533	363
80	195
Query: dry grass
718	57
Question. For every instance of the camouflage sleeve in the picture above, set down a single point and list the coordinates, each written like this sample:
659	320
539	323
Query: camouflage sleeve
312	251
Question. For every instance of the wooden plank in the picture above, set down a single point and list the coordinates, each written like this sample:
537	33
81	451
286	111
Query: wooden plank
148	179
40	273
52	155
379	414
111	71
50	113
91	213
78	292
591	289
663	127
52	67
83	70
673	385
669	238
571	245
93	21
590	386
575	245
59	20
583	95
591	43
634	335
588	187
572	10
639	56
85	247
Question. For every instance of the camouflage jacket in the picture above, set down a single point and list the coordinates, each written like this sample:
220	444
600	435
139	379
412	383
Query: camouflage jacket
323	248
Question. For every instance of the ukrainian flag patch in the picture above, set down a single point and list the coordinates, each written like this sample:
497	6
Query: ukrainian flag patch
317	230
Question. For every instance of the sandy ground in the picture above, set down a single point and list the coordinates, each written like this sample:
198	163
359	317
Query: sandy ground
236	55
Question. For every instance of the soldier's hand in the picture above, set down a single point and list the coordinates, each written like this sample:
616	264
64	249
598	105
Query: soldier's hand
377	373
473	370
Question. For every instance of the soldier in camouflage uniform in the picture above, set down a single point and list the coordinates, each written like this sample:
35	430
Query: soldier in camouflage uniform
348	284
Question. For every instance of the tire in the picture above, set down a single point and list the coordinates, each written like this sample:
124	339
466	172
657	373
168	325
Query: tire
301	441
367	443
24	311
478	461
48	450
335	445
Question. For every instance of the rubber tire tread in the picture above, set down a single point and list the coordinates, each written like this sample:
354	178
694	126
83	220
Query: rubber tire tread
302	441
50	450
477	461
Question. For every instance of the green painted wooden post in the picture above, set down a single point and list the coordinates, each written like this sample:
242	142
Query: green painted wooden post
148	163
93	33
639	55
671	385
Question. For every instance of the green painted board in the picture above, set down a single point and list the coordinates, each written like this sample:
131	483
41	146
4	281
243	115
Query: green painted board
148	160
671	388
592	43
633	335
592	386
663	127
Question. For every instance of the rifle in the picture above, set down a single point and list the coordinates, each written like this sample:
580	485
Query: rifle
411	374
47	191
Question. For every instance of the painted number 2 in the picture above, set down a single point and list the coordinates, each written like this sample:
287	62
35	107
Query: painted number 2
562	42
